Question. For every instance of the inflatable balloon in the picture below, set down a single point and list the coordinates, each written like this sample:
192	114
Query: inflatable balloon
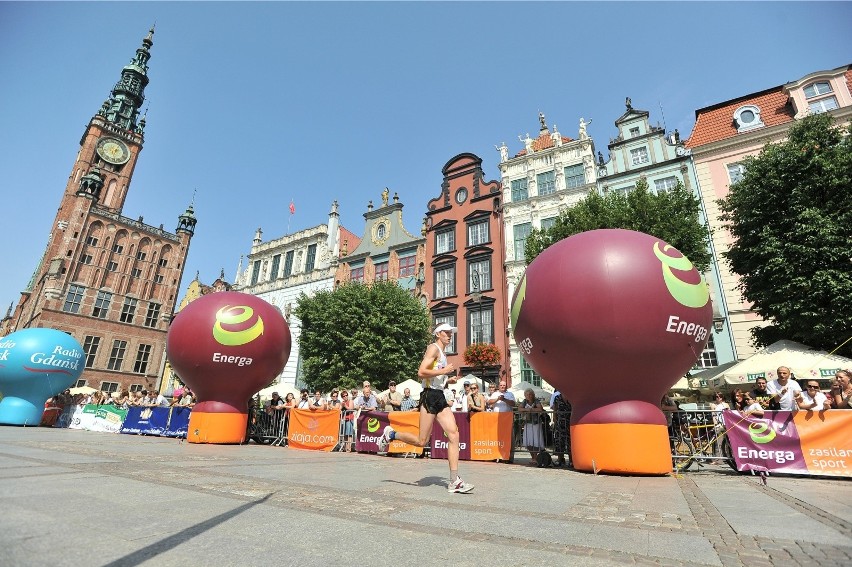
35	364
226	346
613	318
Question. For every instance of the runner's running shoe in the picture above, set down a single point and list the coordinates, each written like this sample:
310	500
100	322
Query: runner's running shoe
459	486
385	439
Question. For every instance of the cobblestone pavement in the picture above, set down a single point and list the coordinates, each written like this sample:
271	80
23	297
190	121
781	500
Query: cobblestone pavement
83	498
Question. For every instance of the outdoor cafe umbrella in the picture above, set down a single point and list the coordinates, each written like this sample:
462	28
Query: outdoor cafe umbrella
82	390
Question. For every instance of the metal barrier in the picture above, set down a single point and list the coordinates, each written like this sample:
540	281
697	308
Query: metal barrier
268	426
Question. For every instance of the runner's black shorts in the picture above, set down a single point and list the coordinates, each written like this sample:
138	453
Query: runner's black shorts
433	400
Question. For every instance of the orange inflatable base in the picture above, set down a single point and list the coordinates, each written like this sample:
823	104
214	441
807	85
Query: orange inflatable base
224	428
621	448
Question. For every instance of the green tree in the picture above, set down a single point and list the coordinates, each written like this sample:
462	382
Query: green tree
358	332
791	218
671	215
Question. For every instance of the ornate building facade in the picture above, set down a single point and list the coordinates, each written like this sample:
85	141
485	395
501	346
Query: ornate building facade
464	276
109	280
644	151
727	132
279	270
550	174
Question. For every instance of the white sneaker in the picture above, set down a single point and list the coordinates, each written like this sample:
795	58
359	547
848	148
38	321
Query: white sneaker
384	440
459	486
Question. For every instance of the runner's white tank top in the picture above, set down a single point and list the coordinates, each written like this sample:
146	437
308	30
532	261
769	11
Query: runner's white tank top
436	382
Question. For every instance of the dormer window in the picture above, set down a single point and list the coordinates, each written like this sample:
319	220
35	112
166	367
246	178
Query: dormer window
634	132
816	89
747	118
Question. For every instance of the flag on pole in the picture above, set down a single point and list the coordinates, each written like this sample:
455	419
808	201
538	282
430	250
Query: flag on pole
292	207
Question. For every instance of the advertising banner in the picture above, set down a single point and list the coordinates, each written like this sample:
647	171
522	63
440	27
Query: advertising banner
440	442
92	417
369	427
802	442
147	421
409	422
315	430
491	436
178	422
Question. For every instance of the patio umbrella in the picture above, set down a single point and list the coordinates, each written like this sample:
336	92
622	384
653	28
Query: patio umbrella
82	390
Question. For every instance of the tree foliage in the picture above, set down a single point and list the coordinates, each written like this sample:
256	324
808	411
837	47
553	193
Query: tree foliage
672	216
791	215
358	332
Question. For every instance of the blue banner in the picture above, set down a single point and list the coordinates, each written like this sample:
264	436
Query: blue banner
146	421
178	422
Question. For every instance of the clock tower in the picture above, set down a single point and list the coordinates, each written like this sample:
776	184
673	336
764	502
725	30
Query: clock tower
109	280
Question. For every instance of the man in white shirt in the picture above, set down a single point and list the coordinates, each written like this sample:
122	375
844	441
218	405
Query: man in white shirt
784	390
501	400
811	398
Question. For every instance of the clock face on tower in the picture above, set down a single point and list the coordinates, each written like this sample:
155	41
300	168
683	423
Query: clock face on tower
113	151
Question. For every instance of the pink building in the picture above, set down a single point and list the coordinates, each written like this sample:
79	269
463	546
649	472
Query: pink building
727	132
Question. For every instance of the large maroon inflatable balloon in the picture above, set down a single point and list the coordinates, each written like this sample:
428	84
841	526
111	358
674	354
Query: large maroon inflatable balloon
226	346
613	318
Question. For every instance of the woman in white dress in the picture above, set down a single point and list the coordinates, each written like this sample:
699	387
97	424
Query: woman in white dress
533	413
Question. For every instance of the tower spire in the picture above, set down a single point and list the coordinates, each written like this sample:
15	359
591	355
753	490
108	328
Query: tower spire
125	101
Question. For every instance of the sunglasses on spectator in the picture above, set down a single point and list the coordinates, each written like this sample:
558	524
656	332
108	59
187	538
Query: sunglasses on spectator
814	386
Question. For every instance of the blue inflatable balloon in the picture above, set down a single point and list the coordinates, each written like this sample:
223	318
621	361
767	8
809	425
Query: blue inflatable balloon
35	364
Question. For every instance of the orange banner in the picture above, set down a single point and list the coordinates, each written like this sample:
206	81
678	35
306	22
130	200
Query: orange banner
315	430
408	422
491	436
824	437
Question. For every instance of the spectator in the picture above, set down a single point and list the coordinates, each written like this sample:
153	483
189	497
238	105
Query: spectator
737	400
348	416
475	399
561	427
408	403
463	402
353	394
393	400
334	399
784	389
304	402
841	393
123	399
812	399
275	413
719	405
187	399
491	389
159	400
672	413
761	395
318	403
366	401
502	400
533	437
289	401
751	406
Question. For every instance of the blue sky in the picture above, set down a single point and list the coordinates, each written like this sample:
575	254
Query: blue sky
255	104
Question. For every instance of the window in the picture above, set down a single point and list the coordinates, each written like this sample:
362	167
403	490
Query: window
575	176
356	274
80	383
86	259
381	272
73	299
152	315
665	184
255	272
90	349
381	231
116	357
639	155
163	262
102	304
477	233
445	241
735	172
117	248
112	266
519	190
142	355
528	374
547	223
92	241
823	105
288	264
451	321
136	273
747	118
158	278
546	182
109	387
136	388
708	355
522	231
276	265
311	258
634	132
445	282
407	266
479	275
481	325
817	89
141	255
128	310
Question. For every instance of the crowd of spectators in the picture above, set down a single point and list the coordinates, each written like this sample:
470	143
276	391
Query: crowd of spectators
124	399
